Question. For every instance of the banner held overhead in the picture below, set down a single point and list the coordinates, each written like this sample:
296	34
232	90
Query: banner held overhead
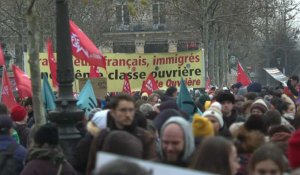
166	68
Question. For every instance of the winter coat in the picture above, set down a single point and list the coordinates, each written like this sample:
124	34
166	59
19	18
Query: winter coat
23	132
145	136
47	160
81	153
234	118
246	143
20	152
224	132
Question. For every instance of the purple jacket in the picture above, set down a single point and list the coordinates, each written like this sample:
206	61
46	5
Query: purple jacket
20	152
44	167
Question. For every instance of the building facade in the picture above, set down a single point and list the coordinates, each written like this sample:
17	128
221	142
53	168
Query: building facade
147	28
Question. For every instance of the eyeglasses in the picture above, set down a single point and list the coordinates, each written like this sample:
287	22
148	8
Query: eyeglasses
126	110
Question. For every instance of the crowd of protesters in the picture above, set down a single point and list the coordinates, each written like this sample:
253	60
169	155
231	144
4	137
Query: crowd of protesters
241	131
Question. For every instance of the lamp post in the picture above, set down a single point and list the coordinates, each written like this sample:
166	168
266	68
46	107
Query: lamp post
66	115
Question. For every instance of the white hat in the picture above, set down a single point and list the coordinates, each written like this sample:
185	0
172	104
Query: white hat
215	111
100	119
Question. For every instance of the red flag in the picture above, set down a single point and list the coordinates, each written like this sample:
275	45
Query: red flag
52	63
207	84
23	82
83	48
7	96
126	85
149	85
2	61
93	72
242	77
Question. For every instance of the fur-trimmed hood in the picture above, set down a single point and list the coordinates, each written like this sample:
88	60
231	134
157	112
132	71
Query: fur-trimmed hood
92	129
97	123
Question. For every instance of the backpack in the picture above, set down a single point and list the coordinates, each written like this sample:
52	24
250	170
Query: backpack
8	164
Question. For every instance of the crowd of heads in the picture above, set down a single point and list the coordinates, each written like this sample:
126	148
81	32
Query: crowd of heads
238	131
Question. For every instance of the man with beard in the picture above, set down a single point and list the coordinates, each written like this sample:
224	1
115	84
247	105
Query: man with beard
177	142
122	117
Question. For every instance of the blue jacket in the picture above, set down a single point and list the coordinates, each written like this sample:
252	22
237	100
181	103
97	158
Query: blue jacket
20	153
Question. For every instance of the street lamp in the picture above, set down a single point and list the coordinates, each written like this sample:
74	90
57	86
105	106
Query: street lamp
66	115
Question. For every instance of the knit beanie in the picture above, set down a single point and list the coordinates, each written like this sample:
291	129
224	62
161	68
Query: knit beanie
202	127
47	133
18	113
171	104
146	108
162	117
100	119
189	142
294	150
259	104
215	111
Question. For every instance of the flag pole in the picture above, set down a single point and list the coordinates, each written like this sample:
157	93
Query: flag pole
2	83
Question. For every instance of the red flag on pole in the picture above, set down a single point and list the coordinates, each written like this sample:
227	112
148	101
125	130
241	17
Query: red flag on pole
126	85
23	82
7	96
52	63
93	72
207	84
149	85
83	48
2	61
242	77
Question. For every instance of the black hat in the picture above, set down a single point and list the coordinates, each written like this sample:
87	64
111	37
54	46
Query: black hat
162	117
254	87
171	104
6	123
257	123
47	133
225	97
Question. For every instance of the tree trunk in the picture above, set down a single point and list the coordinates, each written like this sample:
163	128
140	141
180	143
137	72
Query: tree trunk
211	61
222	62
205	34
215	56
226	61
33	49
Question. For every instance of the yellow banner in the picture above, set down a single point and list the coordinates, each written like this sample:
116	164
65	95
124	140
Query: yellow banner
167	69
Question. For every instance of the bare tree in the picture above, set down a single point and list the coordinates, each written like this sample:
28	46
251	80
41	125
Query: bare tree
33	47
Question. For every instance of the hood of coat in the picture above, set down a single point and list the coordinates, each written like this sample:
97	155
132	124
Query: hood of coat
189	142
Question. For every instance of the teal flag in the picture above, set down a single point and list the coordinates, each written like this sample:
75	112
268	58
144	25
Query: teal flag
185	101
87	99
48	95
